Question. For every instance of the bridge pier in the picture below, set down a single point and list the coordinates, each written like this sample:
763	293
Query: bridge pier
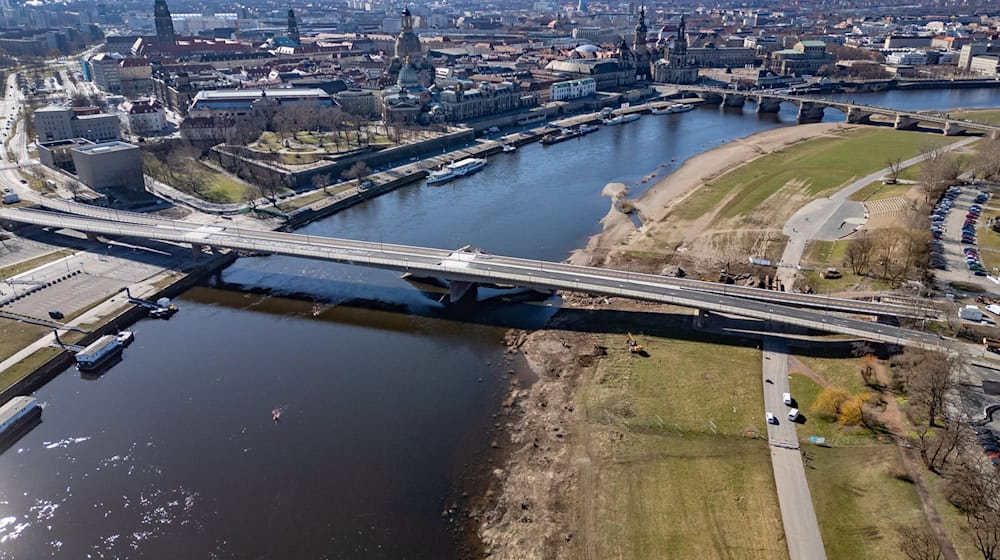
858	116
196	250
734	100
92	236
768	105
810	112
953	129
711	97
460	290
905	123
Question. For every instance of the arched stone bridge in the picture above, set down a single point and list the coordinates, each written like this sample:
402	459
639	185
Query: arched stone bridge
811	109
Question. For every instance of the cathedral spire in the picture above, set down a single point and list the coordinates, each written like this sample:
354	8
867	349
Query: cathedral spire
293	26
164	23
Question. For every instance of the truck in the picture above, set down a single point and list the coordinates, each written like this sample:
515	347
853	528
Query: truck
971	313
11	198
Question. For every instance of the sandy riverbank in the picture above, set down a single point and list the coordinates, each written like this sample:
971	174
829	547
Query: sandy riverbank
540	505
655	203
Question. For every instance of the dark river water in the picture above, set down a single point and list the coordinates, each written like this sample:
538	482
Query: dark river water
387	414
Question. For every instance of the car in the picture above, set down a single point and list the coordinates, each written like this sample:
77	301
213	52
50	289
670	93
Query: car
979	272
24	181
770	418
968	241
56	314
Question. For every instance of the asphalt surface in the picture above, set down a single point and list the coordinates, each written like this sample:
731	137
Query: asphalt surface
797	513
951	243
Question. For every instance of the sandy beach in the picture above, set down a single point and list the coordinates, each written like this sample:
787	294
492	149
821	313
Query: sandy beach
656	202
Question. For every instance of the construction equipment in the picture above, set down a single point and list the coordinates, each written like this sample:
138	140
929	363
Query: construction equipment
633	345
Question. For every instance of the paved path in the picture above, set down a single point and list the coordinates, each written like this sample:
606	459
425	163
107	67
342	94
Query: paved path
819	218
797	514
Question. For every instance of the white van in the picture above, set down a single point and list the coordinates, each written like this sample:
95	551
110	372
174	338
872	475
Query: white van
793	414
771	419
787	397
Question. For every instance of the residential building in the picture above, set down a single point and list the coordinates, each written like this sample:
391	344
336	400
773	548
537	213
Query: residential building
136	75
907	41
61	123
986	64
144	116
361	102
914	58
105	71
462	104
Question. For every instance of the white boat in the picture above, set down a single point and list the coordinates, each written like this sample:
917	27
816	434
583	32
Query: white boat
622	119
509	148
664	111
588	128
681	107
125	337
456	169
99	352
15	413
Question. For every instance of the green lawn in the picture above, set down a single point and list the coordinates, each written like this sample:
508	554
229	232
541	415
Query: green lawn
682	385
667	496
879	191
15	335
820	165
222	187
859	501
991	116
14	374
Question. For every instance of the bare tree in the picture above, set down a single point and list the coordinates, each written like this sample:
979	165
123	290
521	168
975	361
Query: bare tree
986	163
321	181
270	183
358	171
859	253
938	171
927	377
938	446
918	543
975	493
894	165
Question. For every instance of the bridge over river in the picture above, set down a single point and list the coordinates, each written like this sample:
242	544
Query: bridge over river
466	269
811	109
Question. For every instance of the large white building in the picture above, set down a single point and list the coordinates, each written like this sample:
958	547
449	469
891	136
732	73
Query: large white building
239	102
61	123
572	89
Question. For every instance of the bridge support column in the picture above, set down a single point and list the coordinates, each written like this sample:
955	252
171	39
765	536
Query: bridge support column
810	112
858	116
91	236
734	100
461	290
952	129
768	105
700	318
905	123
196	250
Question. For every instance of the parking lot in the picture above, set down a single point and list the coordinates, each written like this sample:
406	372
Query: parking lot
954	253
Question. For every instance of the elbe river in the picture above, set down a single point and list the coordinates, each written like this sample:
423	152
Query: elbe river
387	397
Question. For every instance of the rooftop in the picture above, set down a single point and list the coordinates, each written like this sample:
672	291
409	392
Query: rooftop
106	147
236	94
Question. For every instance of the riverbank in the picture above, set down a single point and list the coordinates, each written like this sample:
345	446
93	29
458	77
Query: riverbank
654	204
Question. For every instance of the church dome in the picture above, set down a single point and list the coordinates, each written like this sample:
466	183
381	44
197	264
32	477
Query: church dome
408	76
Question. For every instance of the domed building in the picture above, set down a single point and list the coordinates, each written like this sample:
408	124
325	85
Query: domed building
404	102
408	47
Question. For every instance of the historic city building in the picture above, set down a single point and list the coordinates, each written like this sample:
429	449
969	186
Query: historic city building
164	24
675	66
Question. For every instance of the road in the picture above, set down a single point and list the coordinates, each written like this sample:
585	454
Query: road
480	268
813	218
797	513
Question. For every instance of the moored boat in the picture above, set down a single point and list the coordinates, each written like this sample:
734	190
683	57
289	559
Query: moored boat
99	352
455	169
622	119
16	414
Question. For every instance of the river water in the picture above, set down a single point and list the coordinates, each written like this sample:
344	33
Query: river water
388	397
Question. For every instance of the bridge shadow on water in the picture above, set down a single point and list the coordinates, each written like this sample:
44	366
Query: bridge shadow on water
397	308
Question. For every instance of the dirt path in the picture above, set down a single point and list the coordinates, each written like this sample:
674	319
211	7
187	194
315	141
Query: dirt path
795	365
895	422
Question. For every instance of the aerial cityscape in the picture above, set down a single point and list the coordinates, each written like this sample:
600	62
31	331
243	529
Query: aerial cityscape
523	280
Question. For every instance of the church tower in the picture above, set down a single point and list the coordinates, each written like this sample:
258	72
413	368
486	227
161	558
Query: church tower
643	68
164	25
293	26
678	53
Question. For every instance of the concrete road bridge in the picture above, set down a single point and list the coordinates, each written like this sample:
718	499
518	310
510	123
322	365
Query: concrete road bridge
811	109
465	269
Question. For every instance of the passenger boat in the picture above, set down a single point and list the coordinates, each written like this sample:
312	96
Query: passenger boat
99	352
622	119
662	111
15	414
588	128
509	148
681	107
455	169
